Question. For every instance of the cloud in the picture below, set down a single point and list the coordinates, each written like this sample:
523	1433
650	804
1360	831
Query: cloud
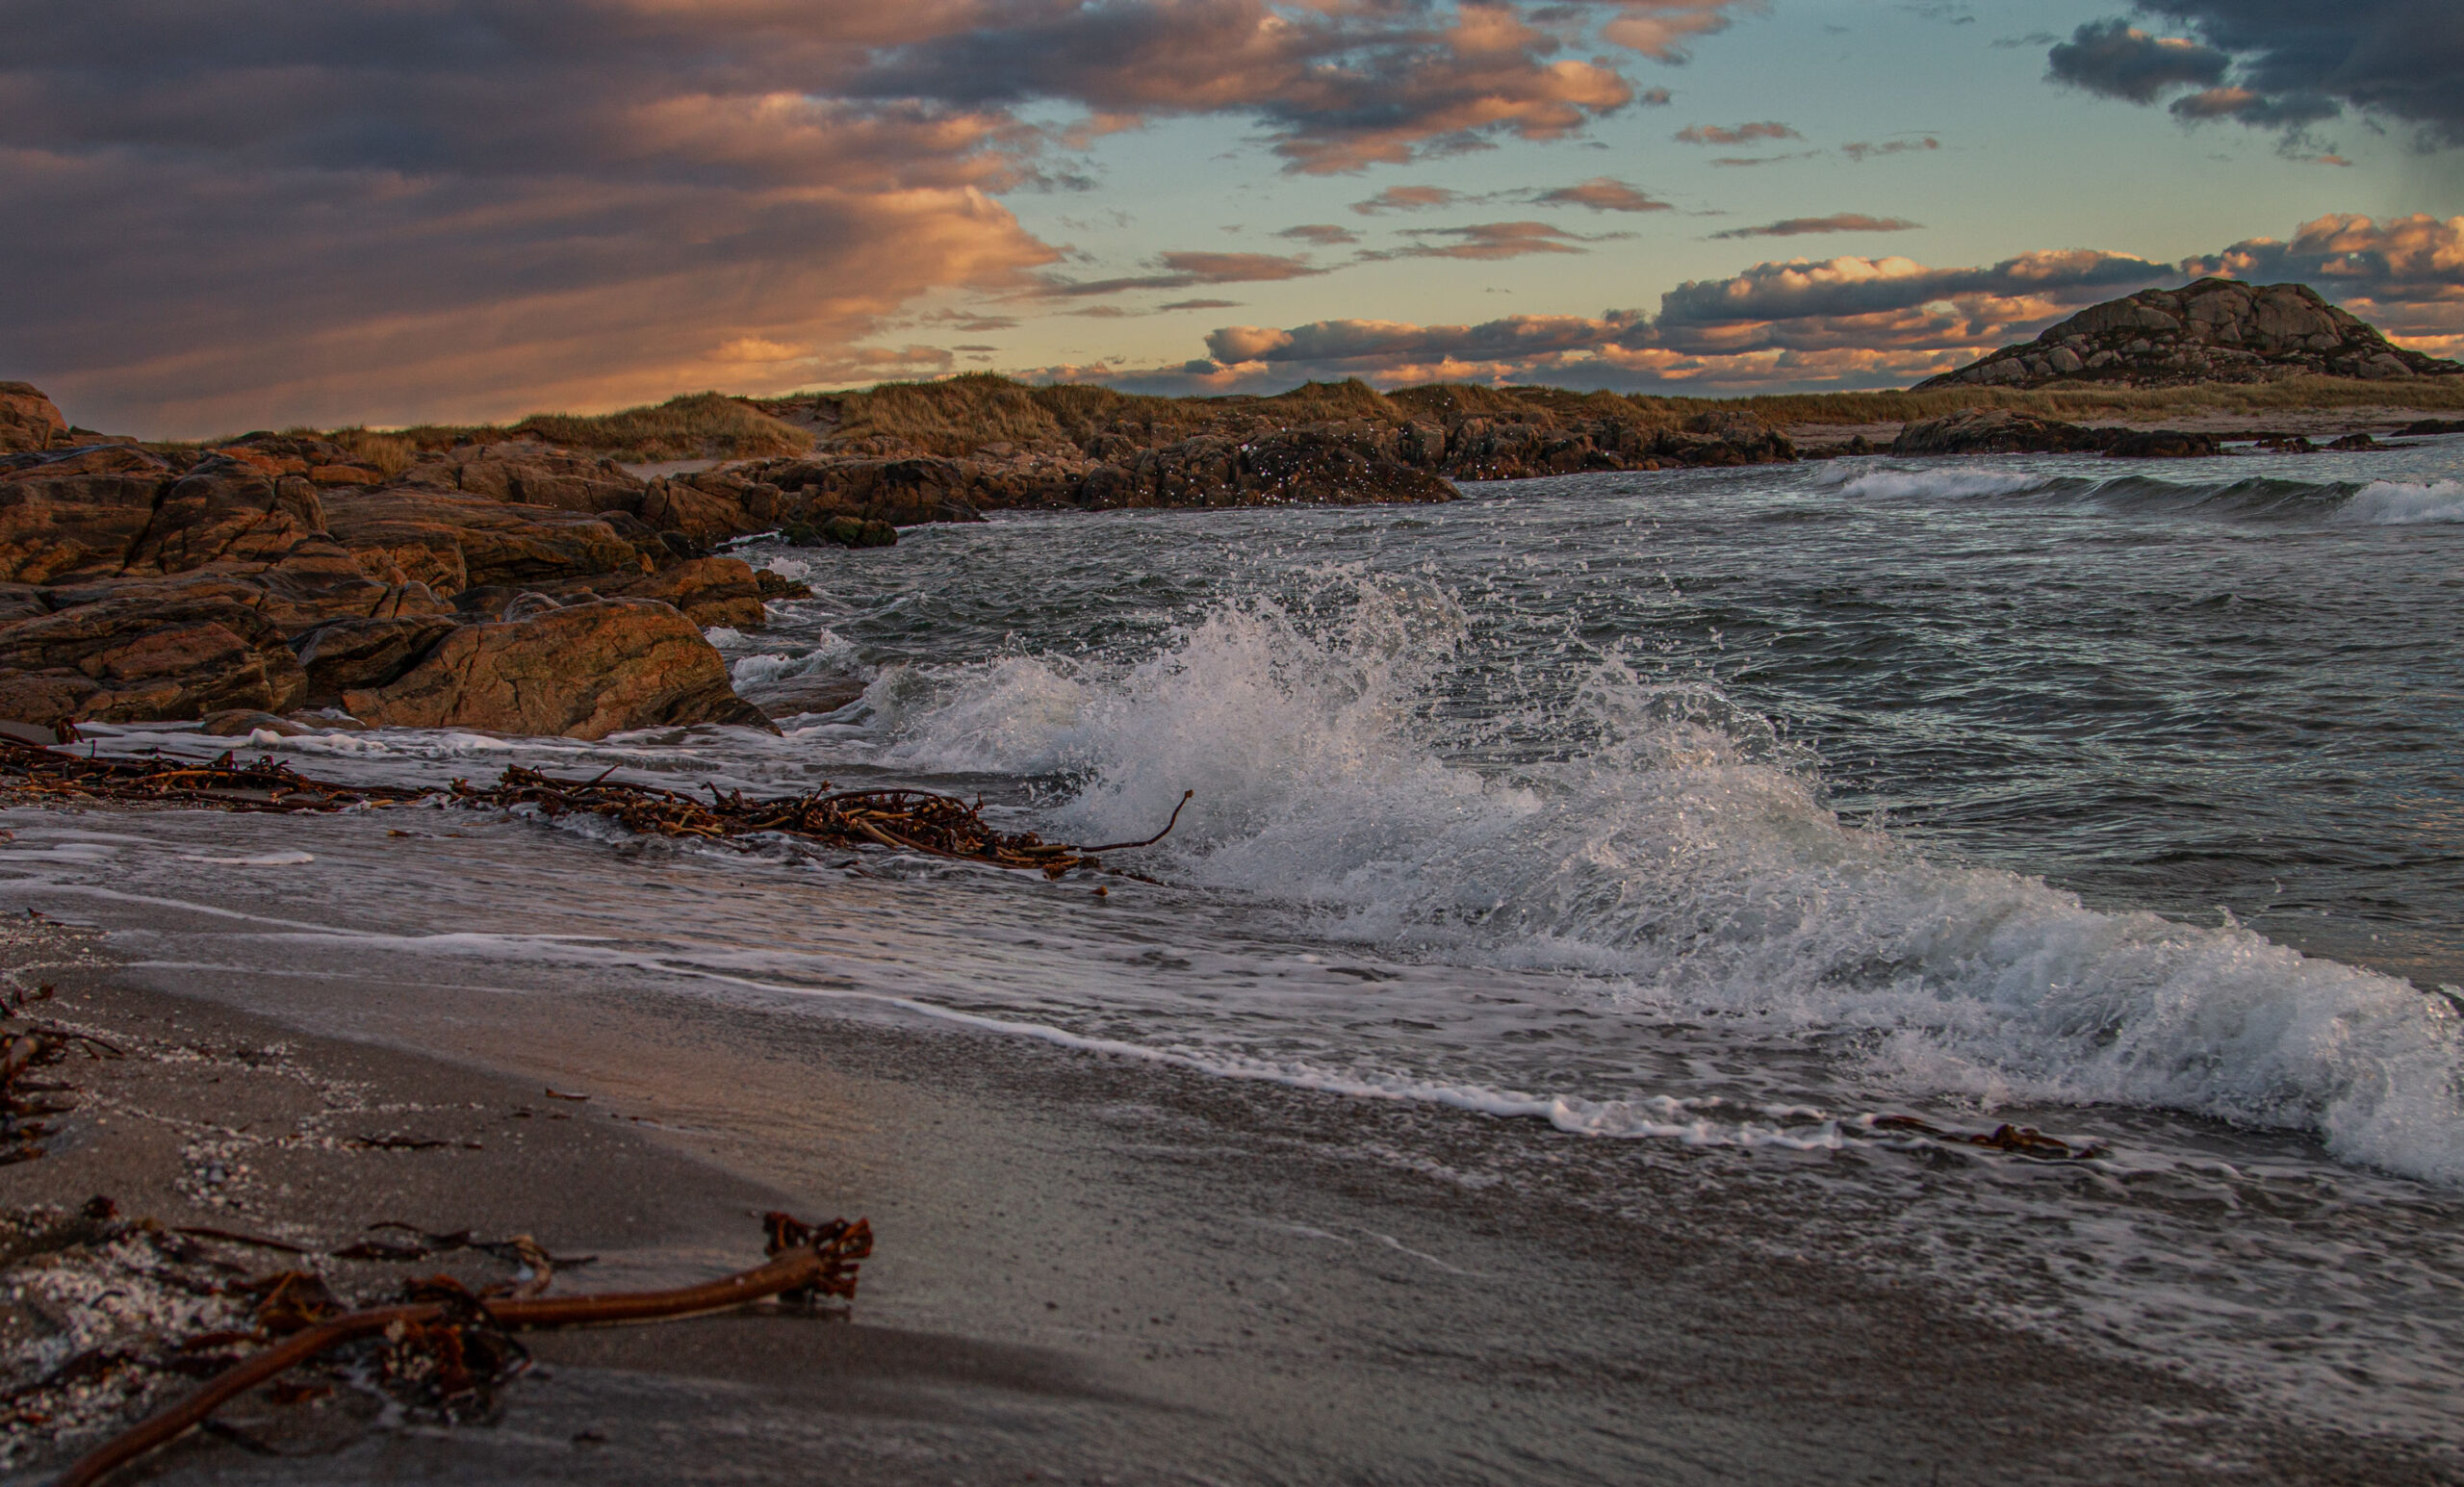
294	210
1847	322
2404	273
2401	59
1184	269
1322	234
1860	150
1838	221
1406	198
1741	134
1841	323
1490	241
2285	65
2119	60
1200	304
1661	29
1601	194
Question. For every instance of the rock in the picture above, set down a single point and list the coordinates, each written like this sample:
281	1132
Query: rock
49	700
148	660
355	655
2216	330
228	506
2355	442
242	722
77	511
842	532
583	671
2157	443
2425	427
525	472
709	591
1993	431
778	585
29	420
450	542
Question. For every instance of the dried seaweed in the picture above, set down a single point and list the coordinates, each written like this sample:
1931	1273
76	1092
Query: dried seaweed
445	1349
26	1106
2019	1140
920	821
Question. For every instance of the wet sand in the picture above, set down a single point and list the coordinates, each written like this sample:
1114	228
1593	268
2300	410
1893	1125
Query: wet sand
1088	1268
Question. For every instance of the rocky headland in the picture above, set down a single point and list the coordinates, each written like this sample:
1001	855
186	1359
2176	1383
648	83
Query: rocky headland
555	576
2215	330
509	585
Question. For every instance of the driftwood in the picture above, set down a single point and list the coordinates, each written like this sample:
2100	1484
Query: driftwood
27	1105
904	820
451	1339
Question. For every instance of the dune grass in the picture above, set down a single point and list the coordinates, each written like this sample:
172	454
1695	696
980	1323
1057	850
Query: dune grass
697	425
963	415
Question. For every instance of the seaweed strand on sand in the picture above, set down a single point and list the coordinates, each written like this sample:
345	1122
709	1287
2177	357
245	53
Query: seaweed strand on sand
922	820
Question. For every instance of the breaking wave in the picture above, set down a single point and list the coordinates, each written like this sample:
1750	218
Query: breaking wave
2342	503
1680	850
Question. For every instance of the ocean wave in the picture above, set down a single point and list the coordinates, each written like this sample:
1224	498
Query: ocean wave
2252	498
1684	855
1946	482
2404	503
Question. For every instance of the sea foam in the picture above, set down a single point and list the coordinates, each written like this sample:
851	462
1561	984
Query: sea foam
1682	853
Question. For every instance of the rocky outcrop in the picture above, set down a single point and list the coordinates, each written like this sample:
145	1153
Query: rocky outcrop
450	542
280	571
584	670
1245	460
134	657
29	421
2216	330
531	474
707	590
2008	431
357	655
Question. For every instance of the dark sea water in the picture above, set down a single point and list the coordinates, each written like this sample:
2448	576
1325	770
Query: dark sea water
1706	813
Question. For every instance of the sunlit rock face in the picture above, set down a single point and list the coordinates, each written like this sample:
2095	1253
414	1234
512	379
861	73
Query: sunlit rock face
2216	330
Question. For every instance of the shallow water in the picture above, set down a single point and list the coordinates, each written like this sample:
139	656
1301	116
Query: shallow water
1723	810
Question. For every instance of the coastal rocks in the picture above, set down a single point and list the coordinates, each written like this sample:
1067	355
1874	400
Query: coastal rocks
349	655
584	670
2158	443
525	472
76	511
450	542
840	532
2215	330
709	591
2006	431
1993	431
29	421
134	657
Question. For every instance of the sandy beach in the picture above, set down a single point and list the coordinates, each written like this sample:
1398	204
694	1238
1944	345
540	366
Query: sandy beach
1059	1295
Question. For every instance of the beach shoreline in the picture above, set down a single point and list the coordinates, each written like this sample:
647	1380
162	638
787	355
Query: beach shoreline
1091	1267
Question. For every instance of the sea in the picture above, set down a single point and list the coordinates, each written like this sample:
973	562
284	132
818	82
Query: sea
1755	817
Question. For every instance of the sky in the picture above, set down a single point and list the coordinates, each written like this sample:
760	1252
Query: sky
268	213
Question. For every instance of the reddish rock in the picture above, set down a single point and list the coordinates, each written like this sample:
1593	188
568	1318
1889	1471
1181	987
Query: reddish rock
709	591
527	474
356	655
225	508
79	511
584	670
707	508
450	542
150	660
28	419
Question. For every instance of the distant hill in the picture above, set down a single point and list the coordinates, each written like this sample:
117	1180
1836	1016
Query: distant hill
2216	330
